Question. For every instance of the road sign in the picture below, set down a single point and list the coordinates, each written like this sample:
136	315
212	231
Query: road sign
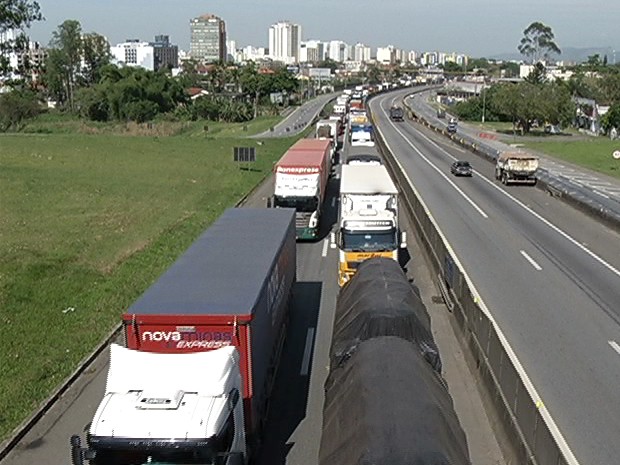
244	154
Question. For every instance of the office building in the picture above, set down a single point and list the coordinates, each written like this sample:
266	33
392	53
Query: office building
134	53
165	55
207	39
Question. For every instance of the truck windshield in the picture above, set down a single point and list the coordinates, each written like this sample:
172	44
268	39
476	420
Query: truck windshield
369	241
301	204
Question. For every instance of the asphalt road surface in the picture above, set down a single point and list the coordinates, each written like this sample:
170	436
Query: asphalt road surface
294	424
549	274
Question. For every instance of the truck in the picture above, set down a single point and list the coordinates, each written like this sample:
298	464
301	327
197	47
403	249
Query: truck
516	167
397	113
376	412
202	345
361	135
300	182
329	129
368	218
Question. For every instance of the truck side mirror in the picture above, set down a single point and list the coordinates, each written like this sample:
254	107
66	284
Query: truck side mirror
403	240
233	398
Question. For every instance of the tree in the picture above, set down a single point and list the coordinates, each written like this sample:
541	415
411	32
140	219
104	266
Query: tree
17	106
65	61
611	119
537	75
452	67
538	42
96	53
15	15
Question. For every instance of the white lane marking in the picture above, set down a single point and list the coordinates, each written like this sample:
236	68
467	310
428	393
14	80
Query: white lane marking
614	345
441	173
325	247
565	235
529	385
536	266
333	202
600	193
305	361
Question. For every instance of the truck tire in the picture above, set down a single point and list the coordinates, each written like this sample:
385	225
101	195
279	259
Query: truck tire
497	173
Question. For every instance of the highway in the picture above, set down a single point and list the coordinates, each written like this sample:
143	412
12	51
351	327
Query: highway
293	429
549	274
595	187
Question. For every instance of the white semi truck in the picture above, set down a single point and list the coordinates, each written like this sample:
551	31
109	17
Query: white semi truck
368	219
202	346
171	408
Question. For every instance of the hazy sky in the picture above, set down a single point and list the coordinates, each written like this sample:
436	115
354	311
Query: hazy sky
475	27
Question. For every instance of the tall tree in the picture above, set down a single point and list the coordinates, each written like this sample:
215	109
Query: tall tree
96	53
538	42
15	16
67	43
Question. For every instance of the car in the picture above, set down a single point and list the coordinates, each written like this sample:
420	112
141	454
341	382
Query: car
364	159
452	125
461	168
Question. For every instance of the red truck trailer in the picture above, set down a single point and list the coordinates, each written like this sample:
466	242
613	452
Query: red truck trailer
300	182
231	287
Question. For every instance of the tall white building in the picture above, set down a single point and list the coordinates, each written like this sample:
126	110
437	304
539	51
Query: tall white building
134	53
285	42
361	53
386	55
338	51
311	51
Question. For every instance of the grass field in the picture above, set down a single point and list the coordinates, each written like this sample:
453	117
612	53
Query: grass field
592	153
87	223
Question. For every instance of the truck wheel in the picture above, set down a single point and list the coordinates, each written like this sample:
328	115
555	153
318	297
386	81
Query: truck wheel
497	174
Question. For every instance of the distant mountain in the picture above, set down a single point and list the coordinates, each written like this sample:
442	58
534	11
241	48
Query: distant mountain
571	54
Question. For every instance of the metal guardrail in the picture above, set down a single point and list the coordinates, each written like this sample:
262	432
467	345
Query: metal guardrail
551	184
533	437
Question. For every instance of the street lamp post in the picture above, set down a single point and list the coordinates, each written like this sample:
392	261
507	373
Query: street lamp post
484	99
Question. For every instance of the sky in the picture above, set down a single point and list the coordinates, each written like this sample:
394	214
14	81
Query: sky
479	28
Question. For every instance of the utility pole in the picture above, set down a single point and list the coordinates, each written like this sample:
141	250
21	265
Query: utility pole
484	98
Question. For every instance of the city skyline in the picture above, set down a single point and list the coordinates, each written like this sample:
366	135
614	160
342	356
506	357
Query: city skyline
447	25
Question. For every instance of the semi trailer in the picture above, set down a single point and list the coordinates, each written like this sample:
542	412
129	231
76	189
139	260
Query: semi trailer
385	399
202	346
300	182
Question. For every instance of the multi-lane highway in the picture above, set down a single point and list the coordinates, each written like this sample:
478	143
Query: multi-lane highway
293	430
549	274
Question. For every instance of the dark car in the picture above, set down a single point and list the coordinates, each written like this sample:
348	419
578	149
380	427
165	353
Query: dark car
461	168
363	159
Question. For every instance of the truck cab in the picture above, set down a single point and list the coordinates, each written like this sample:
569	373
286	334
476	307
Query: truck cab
151	398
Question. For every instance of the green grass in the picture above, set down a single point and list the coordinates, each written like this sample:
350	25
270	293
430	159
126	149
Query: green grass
58	123
87	223
592	153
